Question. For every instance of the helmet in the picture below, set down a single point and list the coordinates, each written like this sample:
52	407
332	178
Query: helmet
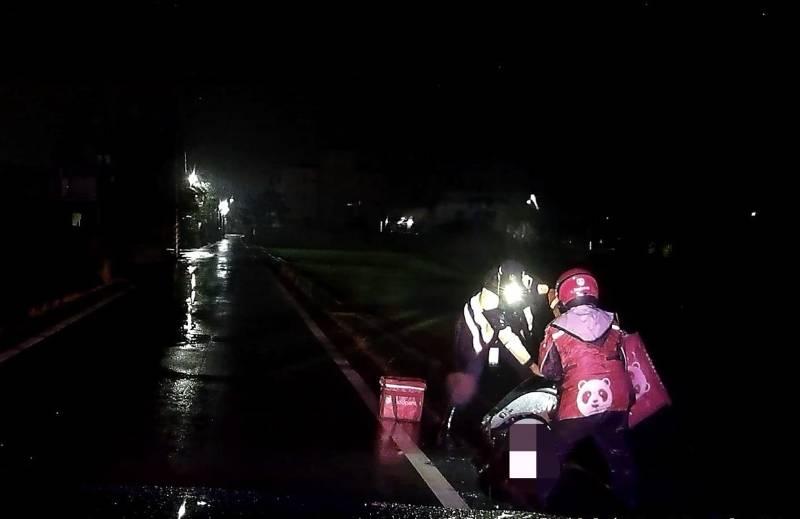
577	287
512	284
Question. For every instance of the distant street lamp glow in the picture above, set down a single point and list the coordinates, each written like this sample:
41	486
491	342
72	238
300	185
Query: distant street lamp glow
194	180
224	208
754	213
532	200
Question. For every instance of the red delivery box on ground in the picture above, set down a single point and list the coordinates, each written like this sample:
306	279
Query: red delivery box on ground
402	398
651	395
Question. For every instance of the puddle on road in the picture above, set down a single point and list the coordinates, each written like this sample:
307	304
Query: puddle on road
222	267
178	398
198	360
194	356
198	279
195	255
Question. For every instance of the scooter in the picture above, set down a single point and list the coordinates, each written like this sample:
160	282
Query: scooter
518	450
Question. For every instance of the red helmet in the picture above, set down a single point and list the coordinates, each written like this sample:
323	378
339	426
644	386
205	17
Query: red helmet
576	287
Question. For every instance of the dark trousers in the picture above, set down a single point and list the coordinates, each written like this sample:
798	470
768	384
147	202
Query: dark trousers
609	431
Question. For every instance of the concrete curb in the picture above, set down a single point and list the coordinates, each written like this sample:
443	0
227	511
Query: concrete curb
42	335
65	303
42	309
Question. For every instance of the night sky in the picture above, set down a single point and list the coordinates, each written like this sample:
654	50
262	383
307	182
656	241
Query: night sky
656	92
656	110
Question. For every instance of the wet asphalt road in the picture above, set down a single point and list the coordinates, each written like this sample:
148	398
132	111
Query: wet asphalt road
225	389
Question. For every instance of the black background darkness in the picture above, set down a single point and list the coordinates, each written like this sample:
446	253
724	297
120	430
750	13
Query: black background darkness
671	114
586	92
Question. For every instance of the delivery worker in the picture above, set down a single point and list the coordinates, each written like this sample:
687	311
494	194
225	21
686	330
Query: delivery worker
494	345
582	352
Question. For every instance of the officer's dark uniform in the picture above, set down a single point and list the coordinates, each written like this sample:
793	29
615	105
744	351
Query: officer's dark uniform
493	343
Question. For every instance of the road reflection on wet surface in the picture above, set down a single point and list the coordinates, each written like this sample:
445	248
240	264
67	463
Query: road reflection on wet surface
212	382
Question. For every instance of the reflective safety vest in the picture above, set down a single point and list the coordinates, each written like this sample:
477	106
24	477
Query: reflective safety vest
482	336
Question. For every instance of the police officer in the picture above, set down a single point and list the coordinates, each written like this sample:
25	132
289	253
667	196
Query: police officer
494	345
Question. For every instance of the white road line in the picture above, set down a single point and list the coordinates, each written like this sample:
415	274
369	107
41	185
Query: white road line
36	339
441	488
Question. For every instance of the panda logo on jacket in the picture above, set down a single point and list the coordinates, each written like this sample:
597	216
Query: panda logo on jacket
594	396
640	384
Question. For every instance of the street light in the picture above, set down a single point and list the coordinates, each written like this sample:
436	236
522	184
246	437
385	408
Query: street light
224	208
194	180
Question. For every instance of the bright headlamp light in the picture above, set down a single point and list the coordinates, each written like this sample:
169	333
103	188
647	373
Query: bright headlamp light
513	293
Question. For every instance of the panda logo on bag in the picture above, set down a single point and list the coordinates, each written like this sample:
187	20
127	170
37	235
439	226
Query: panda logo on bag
594	396
638	379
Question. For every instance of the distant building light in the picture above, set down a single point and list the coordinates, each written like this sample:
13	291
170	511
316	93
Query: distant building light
754	213
409	222
608	218
349	204
590	245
